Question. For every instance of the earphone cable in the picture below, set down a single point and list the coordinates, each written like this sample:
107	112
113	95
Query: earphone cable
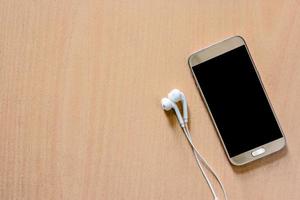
188	135
199	160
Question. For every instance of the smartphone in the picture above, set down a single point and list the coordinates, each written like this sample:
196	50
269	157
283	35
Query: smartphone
236	100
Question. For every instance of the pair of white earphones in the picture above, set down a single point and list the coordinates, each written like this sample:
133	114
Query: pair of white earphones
170	103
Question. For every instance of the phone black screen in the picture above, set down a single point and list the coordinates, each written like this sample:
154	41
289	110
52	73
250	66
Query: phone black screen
237	101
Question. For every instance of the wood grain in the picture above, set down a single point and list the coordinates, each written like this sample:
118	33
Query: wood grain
80	90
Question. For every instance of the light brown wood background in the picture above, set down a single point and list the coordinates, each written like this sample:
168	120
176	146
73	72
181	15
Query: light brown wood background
80	89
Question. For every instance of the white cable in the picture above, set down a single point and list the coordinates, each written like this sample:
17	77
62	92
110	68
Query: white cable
200	159
189	137
207	166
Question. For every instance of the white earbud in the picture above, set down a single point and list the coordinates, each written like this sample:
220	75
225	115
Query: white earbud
170	103
167	105
176	95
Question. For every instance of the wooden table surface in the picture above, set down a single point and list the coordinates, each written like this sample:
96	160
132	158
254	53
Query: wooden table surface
80	90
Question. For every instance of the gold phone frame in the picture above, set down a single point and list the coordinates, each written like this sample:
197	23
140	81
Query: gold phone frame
214	51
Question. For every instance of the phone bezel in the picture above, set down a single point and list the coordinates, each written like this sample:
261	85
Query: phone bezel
214	51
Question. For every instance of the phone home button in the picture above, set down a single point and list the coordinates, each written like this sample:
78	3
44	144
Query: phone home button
258	152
